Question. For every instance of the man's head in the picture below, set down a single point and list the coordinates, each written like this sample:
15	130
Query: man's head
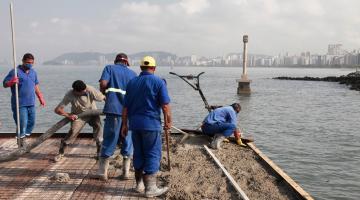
28	60
121	58
236	107
148	63
79	87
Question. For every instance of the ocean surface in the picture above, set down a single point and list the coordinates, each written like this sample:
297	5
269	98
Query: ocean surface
310	129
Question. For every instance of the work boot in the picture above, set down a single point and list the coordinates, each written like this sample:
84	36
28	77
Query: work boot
216	143
22	142
102	172
139	181
58	157
151	190
126	168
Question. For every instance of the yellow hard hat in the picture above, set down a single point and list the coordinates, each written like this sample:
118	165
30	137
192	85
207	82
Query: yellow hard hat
148	61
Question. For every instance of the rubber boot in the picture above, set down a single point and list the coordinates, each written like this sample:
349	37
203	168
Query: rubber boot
151	190
216	143
102	172
140	187
126	168
58	157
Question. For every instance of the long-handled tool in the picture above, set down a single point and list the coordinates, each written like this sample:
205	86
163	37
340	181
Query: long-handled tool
196	86
15	74
167	148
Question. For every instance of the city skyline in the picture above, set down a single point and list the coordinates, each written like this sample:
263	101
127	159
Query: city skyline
335	56
184	27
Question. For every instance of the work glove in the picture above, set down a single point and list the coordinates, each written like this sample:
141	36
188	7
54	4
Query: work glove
12	82
240	143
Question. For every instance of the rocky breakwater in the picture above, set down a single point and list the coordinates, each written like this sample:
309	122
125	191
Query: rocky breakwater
352	79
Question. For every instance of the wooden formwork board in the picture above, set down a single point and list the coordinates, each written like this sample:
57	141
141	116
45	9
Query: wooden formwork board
296	187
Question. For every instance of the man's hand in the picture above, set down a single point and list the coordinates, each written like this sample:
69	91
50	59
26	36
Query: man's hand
42	100
167	125
72	117
12	81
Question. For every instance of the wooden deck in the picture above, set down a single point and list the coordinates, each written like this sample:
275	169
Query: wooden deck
29	176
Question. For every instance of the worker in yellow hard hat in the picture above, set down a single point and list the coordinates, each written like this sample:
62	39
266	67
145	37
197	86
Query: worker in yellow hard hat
146	95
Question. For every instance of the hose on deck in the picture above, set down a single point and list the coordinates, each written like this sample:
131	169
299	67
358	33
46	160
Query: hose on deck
13	155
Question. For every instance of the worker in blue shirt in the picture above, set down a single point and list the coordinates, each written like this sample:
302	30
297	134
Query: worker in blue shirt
113	82
28	85
222	123
146	95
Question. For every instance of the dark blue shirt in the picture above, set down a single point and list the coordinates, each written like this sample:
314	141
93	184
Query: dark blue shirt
117	77
27	83
224	114
144	97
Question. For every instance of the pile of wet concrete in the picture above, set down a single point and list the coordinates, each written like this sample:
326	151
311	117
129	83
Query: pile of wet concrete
352	79
194	175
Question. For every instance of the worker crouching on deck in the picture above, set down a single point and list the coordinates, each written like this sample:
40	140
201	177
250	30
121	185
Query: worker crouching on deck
221	123
146	96
113	82
82	98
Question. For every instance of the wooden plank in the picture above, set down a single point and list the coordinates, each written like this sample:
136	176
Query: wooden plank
230	178
296	187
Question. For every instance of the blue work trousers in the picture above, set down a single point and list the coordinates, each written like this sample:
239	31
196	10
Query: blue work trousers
147	151
112	128
27	119
225	129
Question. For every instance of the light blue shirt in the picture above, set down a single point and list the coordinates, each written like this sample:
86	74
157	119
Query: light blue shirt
224	114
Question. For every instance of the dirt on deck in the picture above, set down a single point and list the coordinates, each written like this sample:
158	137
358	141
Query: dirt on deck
194	175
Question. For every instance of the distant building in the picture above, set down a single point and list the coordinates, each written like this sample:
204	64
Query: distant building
335	49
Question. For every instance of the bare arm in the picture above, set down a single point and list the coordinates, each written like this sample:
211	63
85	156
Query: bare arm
60	111
40	95
167	116
103	86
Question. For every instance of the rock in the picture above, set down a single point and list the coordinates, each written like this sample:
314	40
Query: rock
352	79
61	177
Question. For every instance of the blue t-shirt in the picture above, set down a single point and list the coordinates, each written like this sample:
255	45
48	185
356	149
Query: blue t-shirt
117	76
144	97
224	114
27	83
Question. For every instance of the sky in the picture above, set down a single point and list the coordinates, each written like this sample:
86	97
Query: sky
49	28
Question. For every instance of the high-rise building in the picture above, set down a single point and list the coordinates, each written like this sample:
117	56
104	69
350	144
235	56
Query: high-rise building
335	49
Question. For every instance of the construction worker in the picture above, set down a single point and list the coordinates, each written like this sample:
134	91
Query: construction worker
113	82
82	98
28	85
221	123
145	96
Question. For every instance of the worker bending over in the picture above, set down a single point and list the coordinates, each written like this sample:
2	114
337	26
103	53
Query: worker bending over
221	123
82	98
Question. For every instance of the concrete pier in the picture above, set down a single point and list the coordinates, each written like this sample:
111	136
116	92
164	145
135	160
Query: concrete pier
244	82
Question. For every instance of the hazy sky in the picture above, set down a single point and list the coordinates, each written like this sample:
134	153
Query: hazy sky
49	28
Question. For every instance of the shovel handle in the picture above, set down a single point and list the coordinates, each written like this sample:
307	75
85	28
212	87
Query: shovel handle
167	148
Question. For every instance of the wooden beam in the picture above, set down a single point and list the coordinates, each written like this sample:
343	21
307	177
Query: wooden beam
296	187
230	178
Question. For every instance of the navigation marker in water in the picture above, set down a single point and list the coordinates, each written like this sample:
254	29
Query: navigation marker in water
244	82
